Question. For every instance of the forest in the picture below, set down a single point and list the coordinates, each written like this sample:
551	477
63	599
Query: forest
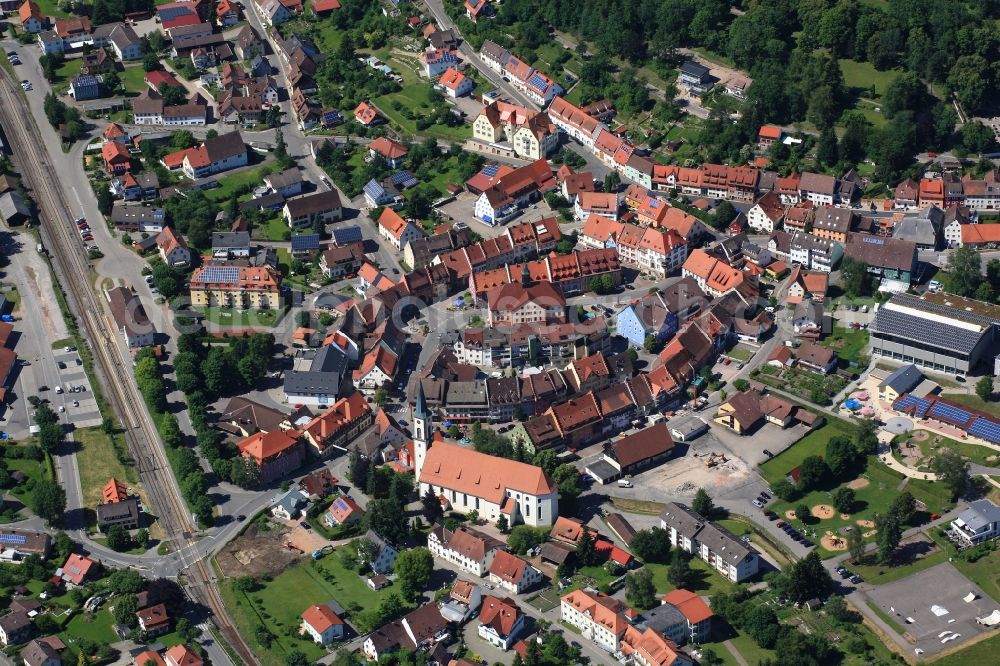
792	49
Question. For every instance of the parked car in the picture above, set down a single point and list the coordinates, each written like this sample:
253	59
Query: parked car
757	503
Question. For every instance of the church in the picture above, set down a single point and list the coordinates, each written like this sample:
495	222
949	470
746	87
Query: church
469	480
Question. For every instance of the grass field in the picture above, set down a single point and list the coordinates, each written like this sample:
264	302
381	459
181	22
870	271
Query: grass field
228	185
51	9
68	70
879	575
415	97
280	602
978	454
849	344
95	627
98	463
134	79
706	580
234	317
33	469
974	401
983	652
862	75
813	444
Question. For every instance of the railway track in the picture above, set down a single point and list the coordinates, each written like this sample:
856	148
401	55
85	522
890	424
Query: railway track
115	374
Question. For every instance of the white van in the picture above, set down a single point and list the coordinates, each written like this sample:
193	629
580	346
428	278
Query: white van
58	389
624	483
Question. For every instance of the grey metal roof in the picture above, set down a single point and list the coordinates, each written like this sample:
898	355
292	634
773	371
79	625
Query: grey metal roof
662	618
911	327
902	380
980	514
221	239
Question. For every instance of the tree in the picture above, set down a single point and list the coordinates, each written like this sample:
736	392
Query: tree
808	578
841	457
48	501
431	507
964	271
652	545
813	473
380	397
502	524
855	544
111	82
784	490
105	201
245	584
952	470
567	479
414	568
724	214
125	581
984	387
151	62
388	520
889	534
524	537
903	507
118	539
826	149
702	504
843	499
802	512
639	589
125	609
612	182
297	658
679	573
586	554
357	469
854	278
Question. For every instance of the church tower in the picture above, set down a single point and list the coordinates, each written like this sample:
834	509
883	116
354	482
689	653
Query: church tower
422	426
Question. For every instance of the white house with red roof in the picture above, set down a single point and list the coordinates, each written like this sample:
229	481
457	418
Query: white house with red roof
456	84
216	154
77	569
500	621
343	511
396	230
391	152
511	573
322	624
172	248
437	61
182	655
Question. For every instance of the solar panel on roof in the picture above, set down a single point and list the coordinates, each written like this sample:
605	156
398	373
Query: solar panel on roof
985	429
347	235
305	241
490	170
220	274
403	178
950	412
18	539
537	81
919	405
872	240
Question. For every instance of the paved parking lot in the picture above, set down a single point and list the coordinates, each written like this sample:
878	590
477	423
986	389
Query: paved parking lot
926	612
85	414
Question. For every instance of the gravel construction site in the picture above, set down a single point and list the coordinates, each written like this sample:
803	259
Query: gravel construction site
258	553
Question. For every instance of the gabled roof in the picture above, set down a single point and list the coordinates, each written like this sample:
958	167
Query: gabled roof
321	617
508	567
500	614
260	446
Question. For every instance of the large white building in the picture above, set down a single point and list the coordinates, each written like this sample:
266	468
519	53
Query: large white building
693	534
469	480
464	547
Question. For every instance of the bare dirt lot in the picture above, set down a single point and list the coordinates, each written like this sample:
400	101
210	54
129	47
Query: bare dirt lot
685	475
258	553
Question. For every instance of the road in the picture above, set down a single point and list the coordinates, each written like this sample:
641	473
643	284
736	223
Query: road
61	238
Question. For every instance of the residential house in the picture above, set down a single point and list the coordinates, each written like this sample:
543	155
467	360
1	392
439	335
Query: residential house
276	454
384	553
436	62
172	248
117	159
465	547
343	511
501	621
806	286
955	219
604	204
660	313
289	506
478	9
833	223
338	426
32	19
889	259
313	209
153	620
816	358
243	287
504	199
227	14
182	655
131	318
39	652
925	229
695	78
337	262
455	83
417	629
83	87
322	624
367	115
393	154
600	618
810	252
744	412
78	569
767	214
214	155
511	573
396	230
720	548
137	218
514	304
817	188
907	194
15	627
977	524
230	245
715	277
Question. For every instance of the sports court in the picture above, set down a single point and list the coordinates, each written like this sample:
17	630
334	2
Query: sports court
934	604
